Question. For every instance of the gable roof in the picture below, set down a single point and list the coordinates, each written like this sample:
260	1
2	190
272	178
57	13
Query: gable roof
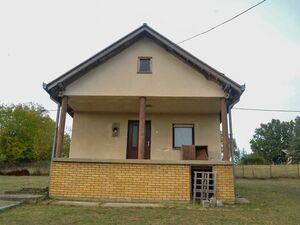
231	88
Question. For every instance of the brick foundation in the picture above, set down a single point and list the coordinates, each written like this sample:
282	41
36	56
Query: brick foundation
225	184
121	181
131	181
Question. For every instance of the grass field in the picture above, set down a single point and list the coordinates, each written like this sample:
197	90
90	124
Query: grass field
11	183
272	202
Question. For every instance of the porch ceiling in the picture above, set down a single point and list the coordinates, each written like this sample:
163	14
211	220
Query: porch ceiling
179	105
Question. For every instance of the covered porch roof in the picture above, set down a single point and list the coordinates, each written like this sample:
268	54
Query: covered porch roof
130	104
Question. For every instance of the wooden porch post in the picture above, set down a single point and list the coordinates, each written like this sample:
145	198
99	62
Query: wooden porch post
224	130
142	114
55	133
61	128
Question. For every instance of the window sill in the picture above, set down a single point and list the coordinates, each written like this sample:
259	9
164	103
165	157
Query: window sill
144	72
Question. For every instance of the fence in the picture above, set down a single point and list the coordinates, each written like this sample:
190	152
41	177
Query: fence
267	171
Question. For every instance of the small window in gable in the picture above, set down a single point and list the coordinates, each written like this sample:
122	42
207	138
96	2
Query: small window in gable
144	65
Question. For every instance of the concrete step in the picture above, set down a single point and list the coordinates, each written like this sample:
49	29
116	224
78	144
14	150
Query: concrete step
108	204
8	204
132	205
76	203
21	197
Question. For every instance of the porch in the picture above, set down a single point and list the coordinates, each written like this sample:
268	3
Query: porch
108	161
144	128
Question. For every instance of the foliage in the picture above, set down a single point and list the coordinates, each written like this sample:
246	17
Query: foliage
66	145
270	139
236	152
294	148
253	159
26	133
34	168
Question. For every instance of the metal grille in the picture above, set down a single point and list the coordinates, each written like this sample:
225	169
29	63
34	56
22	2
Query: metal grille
204	186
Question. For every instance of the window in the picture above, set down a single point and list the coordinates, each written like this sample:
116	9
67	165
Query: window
144	65
183	134
135	135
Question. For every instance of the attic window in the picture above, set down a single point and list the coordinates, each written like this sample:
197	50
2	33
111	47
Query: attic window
144	65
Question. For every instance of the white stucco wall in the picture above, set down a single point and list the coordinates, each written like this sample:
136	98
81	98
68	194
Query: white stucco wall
92	135
170	76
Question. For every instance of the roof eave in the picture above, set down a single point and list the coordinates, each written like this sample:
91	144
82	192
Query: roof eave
96	57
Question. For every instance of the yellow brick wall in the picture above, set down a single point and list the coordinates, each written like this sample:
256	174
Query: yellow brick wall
120	181
225	184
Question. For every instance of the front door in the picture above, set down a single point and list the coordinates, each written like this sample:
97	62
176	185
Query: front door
133	142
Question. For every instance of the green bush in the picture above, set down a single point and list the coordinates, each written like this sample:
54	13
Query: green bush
253	159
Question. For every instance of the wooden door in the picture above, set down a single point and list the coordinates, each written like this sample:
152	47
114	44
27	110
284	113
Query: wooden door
133	142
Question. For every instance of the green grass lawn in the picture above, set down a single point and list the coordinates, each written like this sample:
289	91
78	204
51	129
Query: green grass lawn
272	202
12	183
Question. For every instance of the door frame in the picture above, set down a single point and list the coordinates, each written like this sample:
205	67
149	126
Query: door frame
146	134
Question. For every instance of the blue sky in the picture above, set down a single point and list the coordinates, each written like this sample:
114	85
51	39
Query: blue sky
40	40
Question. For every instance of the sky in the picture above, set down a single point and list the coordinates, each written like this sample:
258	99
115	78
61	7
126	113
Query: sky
40	40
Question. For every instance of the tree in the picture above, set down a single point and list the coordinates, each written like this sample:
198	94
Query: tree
26	133
236	152
66	145
294	147
252	159
270	139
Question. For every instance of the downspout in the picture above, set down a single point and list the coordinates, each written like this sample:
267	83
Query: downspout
231	147
54	142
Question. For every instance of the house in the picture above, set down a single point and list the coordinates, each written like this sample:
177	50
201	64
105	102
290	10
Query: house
146	116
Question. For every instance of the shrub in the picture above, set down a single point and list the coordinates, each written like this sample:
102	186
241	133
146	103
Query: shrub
253	159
